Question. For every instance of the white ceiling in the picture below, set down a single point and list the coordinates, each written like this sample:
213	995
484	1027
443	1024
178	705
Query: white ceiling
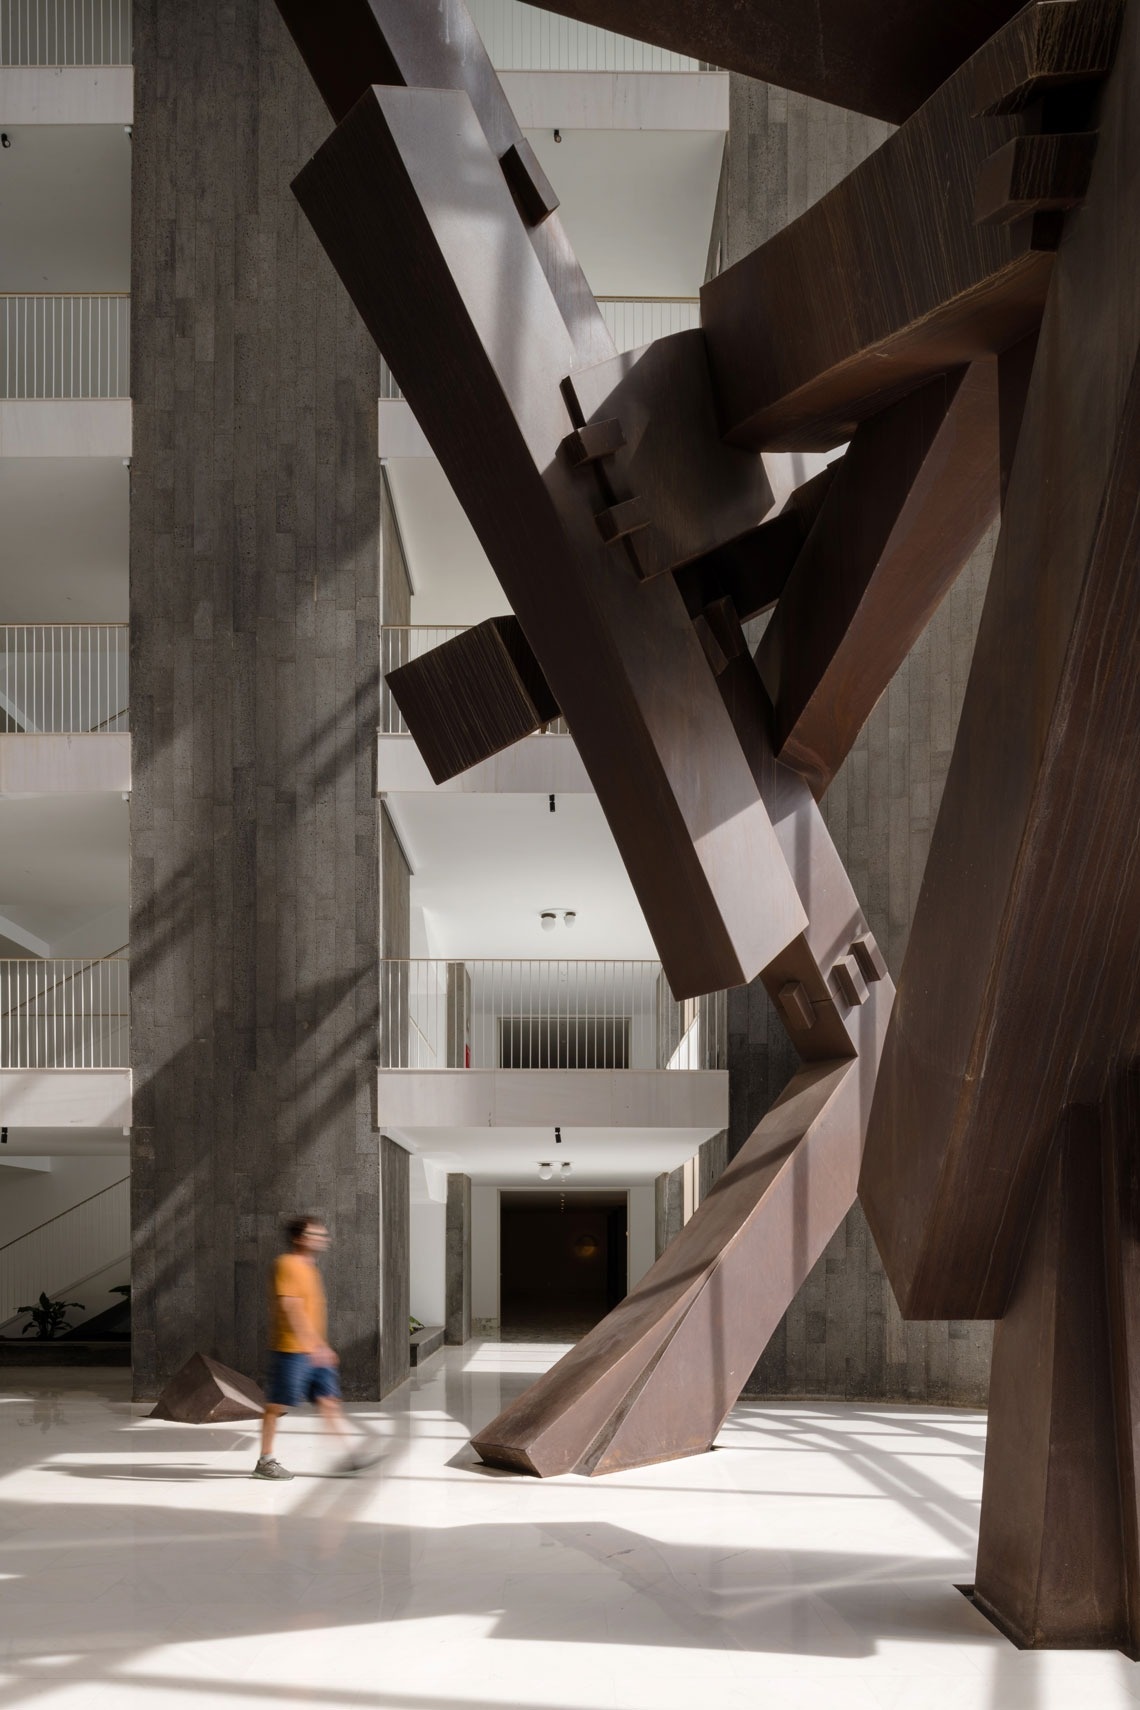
65	209
486	866
636	205
62	858
598	1157
64	539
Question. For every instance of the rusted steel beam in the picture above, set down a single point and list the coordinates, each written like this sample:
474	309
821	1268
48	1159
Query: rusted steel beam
473	696
1017	997
656	1378
1051	1553
1045	48
912	498
408	200
888	281
349	45
883	57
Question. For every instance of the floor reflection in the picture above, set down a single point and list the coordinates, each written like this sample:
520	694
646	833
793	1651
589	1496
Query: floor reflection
812	1555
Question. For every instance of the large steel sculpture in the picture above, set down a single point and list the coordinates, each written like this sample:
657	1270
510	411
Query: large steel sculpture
964	310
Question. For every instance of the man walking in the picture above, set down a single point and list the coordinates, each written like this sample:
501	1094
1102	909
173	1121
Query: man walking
302	1366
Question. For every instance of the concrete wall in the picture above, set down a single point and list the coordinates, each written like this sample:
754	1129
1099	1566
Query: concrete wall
428	1243
255	507
457	1263
395	1235
642	1219
844	1335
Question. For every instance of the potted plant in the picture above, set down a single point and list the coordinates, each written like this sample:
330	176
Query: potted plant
49	1317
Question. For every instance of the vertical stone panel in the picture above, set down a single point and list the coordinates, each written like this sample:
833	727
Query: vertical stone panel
395	1241
255	504
843	1335
457	1261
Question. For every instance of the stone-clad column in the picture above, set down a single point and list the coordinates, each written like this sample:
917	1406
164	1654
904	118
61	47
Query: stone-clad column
457	1273
395	1247
255	498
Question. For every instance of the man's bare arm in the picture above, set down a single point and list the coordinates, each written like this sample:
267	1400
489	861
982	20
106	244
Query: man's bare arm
298	1320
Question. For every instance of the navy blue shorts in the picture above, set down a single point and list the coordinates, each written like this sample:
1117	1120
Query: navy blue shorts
293	1378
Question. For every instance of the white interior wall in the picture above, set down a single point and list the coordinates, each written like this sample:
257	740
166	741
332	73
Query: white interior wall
428	1249
28	1199
641	1224
105	934
484	1252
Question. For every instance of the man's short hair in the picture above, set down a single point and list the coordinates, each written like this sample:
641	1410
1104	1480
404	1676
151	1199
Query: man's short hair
296	1227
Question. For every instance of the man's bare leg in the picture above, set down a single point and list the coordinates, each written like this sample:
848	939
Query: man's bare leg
333	1419
269	1430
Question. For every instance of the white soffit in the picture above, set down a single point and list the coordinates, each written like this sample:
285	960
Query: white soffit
597	1156
637	205
486	867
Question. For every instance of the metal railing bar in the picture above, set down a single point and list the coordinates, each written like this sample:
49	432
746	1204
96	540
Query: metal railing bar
116	957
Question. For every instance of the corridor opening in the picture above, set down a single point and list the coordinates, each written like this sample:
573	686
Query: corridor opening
564	1261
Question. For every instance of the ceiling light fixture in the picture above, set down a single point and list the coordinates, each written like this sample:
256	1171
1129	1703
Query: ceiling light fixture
549	917
545	1171
565	1171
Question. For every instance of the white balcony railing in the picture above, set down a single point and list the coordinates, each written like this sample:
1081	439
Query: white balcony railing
480	1014
63	677
67	1249
527	38
64	1014
634	321
65	32
401	642
65	346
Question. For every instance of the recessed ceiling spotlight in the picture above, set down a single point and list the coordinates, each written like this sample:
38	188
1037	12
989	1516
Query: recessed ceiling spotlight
545	1171
549	919
569	917
565	1171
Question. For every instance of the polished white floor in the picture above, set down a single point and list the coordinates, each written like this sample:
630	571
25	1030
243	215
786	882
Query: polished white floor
810	1561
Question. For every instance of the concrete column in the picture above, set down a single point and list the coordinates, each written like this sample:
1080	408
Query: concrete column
255	503
457	1285
395	1280
670	1219
712	1159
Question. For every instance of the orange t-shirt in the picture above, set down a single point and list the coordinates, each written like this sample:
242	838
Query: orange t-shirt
299	1278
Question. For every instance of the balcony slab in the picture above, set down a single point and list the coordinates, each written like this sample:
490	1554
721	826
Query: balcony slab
65	427
65	1098
62	765
575	1098
67	94
536	766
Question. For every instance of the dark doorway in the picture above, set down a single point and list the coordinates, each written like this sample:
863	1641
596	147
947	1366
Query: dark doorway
563	1262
